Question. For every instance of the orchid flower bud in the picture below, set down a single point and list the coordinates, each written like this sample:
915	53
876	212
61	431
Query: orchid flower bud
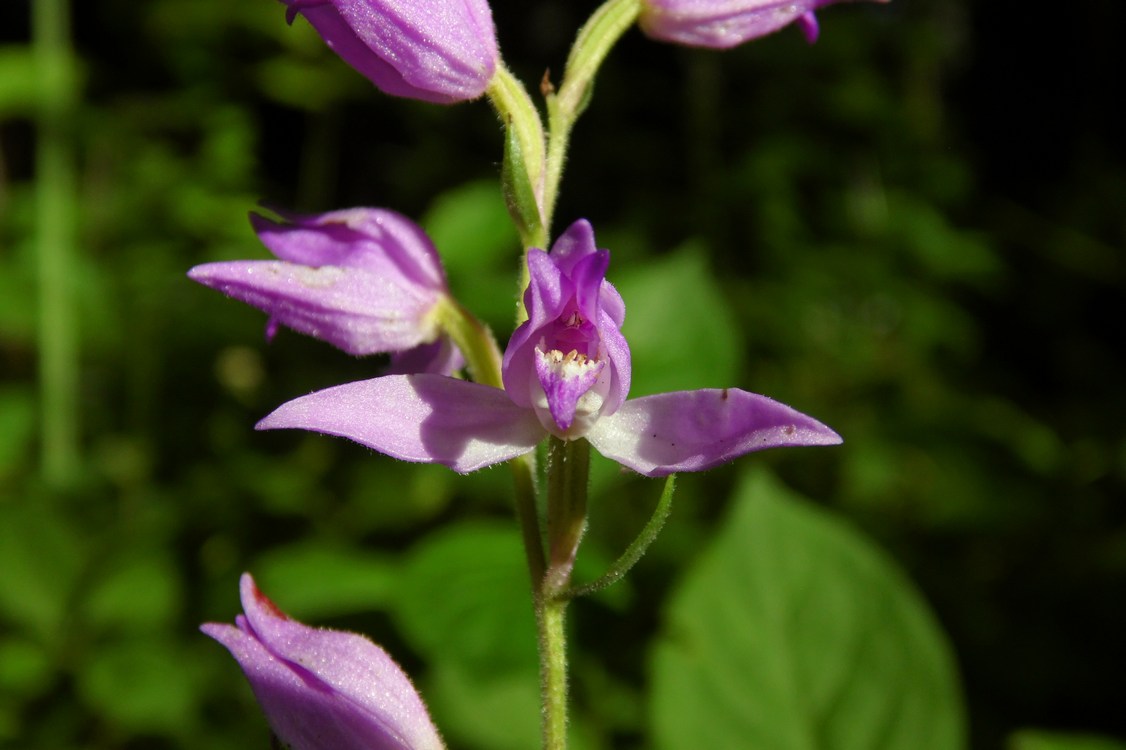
323	689
441	51
721	24
365	280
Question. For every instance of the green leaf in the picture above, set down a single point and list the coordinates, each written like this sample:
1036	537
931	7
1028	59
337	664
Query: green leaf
678	325
792	632
40	558
18	80
17	427
141	685
463	597
498	712
474	235
322	579
1035	739
470	227
25	667
141	591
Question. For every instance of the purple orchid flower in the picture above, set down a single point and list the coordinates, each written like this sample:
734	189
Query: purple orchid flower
566	373
722	24
440	51
365	280
323	689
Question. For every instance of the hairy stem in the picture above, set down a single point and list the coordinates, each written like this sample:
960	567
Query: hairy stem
550	618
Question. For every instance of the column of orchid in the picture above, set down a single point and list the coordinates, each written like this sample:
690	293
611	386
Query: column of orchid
368	280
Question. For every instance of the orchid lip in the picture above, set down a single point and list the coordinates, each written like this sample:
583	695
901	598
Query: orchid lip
565	392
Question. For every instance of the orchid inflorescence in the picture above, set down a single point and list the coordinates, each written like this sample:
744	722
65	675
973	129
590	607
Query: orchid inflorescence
369	281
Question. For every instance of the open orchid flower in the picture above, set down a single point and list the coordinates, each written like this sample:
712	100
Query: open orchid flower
440	51
722	24
566	373
323	689
365	280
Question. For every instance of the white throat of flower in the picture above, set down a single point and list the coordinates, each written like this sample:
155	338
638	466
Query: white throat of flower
574	376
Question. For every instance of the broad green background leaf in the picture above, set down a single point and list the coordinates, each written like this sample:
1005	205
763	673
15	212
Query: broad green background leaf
480	250
462	597
494	711
792	632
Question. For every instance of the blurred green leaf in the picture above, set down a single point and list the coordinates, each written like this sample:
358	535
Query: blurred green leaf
17	426
24	667
792	631
145	686
479	248
463	597
1035	739
322	579
40	557
490	711
18	80
141	591
470	227
678	323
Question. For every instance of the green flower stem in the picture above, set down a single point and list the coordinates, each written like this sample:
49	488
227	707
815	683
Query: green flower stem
551	621
635	550
55	227
568	477
593	43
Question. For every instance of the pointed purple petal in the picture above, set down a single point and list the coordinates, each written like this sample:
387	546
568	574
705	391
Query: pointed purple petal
424	418
697	430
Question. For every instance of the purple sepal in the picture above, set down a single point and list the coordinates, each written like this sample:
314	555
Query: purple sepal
424	418
440	51
323	689
697	430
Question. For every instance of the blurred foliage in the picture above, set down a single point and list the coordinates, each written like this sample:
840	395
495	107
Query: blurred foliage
911	230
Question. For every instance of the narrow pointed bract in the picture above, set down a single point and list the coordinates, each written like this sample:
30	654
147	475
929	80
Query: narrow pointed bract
440	51
721	24
323	689
566	373
365	280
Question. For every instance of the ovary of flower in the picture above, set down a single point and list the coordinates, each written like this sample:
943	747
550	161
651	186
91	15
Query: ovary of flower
581	394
